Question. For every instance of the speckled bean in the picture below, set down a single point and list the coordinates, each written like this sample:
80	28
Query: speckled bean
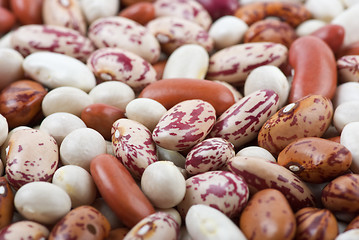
173	32
184	125
233	64
28	39
348	68
133	145
24	230
115	64
32	155
106	32
95	9
222	190
242	121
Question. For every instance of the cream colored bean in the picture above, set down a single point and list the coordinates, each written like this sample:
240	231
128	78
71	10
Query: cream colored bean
170	155
80	146
59	124
42	202
187	61
163	184
346	92
268	77
25	230
227	31
349	3
57	70
65	99
254	151
207	223
348	19
345	113
10	66
309	26
109	149
95	9
78	184
350	138
332	9
113	93
352	234
4	129
5	40
146	111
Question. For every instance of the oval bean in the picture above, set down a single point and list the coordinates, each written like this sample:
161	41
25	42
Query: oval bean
27	12
141	12
6	203
95	9
332	34
10	66
24	230
347	68
344	114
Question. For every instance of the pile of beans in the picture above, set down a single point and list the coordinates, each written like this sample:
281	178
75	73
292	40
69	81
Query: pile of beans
179	119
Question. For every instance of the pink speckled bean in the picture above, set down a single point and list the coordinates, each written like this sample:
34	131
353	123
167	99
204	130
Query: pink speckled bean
173	32
124	33
32	156
24	230
243	120
133	145
233	64
208	155
222	190
187	9
184	125
115	64
348	68
34	38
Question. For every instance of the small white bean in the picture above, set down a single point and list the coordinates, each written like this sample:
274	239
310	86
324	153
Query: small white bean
345	113
332	9
352	234
254	151
309	26
348	19
95	9
4	129
350	138
10	66
346	92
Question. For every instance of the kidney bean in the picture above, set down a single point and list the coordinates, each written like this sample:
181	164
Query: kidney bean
332	34
341	194
173	32
131	2
347	68
315	160
4	4
84	222
198	217
169	92
222	190
124	197
27	12
24	230
21	101
7	20
233	64
133	145
95	9
262	174
314	75
80	146
240	123
268	215
6	203
270	30
291	12
314	223
141	12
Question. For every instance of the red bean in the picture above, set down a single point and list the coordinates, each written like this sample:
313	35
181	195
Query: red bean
332	34
7	20
28	12
141	12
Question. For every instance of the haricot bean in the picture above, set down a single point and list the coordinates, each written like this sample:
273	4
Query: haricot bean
179	119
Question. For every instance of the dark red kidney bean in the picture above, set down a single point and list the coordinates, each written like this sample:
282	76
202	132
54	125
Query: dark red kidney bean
332	34
219	8
100	117
315	68
141	12
20	102
7	20
26	11
4	4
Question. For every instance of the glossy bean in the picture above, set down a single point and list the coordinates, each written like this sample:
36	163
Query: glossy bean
124	197
24	230
169	92
7	20
346	92
27	12
6	203
351	49
344	114
220	8
347	66
332	34
141	12
314	75
346	20
333	8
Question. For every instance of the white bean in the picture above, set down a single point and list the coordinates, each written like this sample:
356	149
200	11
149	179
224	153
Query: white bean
346	92
254	151
309	26
10	66
332	9
350	138
95	9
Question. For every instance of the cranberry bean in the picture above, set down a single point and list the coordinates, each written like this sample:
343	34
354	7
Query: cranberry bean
187	9
187	61
95	9
115	64
184	125
106	31
332	34
347	20
78	184
262	174
24	230
100	117
141	12
268	215
222	190
233	64
307	117
28	12
83	222
80	146
315	160
173	212
173	32
124	197
347	66
349	138
20	102
4	4
6	203
242	121
291	12
205	222
270	30
10	66
170	92
344	114
7	20
42	202
314	223
32	155
113	93
34	38
64	13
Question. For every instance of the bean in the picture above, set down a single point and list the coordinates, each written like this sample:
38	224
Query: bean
333	9
95	9
6	203
24	229
7	20
348	138
346	68
255	151
332	34
344	114
345	19
309	26
141	12
10	66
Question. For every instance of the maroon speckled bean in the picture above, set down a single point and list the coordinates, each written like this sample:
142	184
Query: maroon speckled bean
348	68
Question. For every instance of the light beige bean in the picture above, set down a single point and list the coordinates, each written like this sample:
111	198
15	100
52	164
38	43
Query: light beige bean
309	26
95	9
255	151
10	66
